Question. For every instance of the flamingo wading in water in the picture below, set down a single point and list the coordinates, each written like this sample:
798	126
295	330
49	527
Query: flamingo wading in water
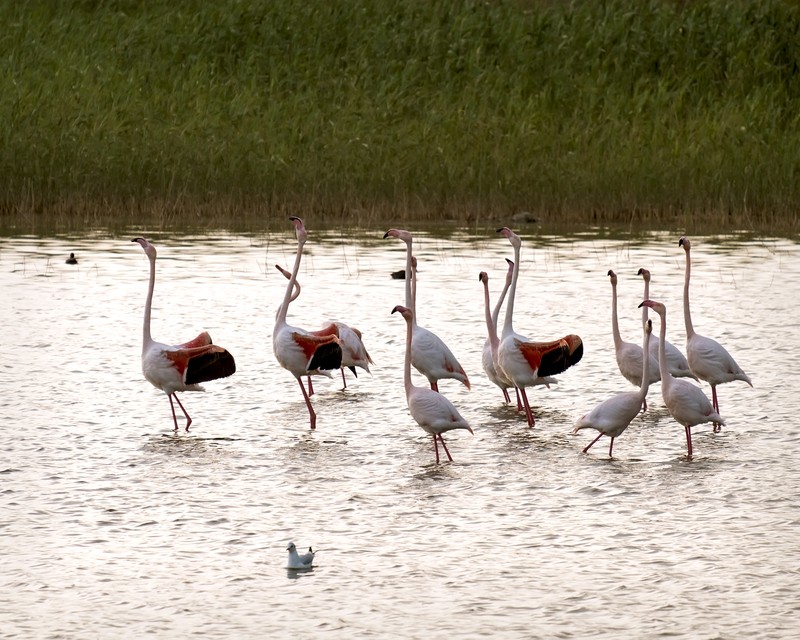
611	417
181	367
430	409
685	402
354	353
628	354
296	350
708	359
429	354
523	361
677	364
489	354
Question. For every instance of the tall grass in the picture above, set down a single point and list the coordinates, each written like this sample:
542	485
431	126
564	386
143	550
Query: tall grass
400	108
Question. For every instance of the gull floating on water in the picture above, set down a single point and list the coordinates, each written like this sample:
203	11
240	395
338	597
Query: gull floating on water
296	561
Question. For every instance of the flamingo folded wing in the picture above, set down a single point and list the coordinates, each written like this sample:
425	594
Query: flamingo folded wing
203	363
559	355
322	352
202	340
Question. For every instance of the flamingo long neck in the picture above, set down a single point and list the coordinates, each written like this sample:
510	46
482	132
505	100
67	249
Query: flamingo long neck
614	321
687	316
148	305
280	318
499	305
666	377
411	282
645	308
491	320
508	327
407	362
645	362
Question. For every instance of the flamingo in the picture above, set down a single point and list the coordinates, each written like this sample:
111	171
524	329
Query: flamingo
708	359
489	355
685	402
611	417
490	347
354	353
523	361
429	354
298	351
677	364
629	355
181	367
431	410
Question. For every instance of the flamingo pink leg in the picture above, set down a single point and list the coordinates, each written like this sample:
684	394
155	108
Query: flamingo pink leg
435	386
449	457
506	396
644	405
519	401
310	387
688	442
610	446
528	412
599	435
436	448
344	382
311	415
717	425
174	419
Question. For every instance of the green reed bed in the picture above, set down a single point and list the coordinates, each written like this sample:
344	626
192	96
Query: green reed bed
207	112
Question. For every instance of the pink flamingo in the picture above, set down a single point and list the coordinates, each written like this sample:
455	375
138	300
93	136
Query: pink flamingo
677	364
429	354
708	359
354	353
181	367
685	402
523	361
489	354
629	355
611	417
430	409
298	351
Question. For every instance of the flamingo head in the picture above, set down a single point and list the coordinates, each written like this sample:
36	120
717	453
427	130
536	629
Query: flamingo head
613	277
658	307
510	271
403	311
149	249
401	234
483	277
644	273
684	242
299	229
513	238
285	273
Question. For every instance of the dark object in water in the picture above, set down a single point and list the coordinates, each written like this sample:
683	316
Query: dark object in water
72	259
399	275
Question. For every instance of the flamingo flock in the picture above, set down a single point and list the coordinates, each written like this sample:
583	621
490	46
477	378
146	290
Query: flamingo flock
509	359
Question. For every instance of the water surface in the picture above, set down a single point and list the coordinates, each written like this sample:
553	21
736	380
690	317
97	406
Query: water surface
113	524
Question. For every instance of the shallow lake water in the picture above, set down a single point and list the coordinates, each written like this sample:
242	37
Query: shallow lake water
113	525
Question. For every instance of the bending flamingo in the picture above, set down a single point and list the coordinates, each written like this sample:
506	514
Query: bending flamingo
354	353
297	351
677	364
611	417
629	355
523	361
429	354
708	359
431	410
685	402
181	367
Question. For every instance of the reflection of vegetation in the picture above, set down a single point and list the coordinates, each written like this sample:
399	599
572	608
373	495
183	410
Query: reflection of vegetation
196	111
